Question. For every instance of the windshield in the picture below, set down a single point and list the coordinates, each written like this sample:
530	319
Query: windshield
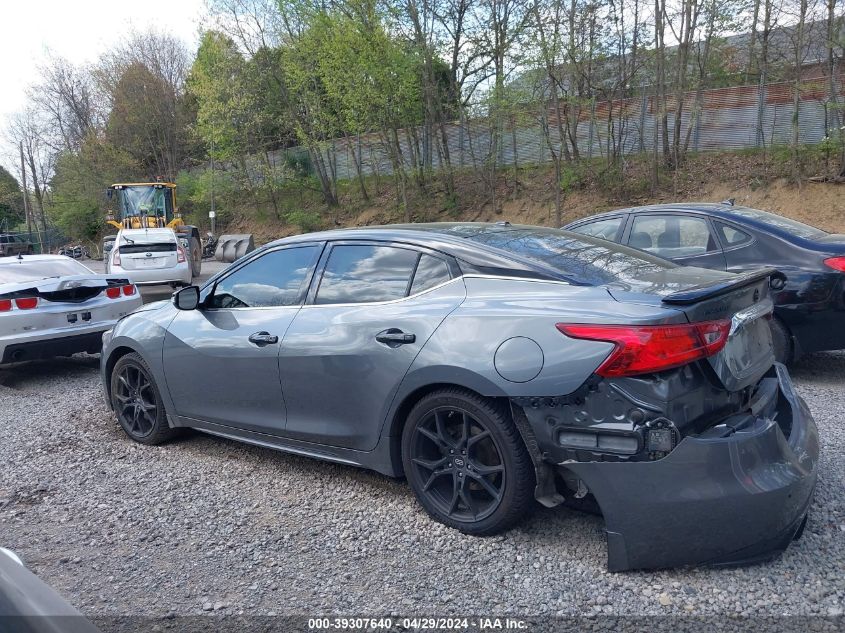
145	200
799	229
583	258
20	271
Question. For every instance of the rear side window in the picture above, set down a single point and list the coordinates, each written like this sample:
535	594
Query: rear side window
275	279
606	229
731	236
430	272
364	274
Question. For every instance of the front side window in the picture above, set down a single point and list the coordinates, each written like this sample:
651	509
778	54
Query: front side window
365	273
672	236
606	229
276	279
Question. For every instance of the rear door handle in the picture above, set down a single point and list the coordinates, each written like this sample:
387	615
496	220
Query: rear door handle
263	338
395	337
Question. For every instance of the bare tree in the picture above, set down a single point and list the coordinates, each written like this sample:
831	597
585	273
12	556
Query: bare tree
27	131
66	101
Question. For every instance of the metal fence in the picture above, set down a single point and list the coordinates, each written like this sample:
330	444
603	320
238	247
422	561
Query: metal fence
728	119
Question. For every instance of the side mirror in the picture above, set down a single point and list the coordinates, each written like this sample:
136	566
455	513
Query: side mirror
187	298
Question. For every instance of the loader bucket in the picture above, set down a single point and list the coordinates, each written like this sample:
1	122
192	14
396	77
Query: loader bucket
232	247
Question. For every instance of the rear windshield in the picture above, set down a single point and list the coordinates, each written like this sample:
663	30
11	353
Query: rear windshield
163	247
19	271
580	257
799	229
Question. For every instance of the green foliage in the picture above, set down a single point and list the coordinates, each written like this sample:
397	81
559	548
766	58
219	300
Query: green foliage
194	191
148	121
240	109
11	200
305	221
78	204
572	177
298	163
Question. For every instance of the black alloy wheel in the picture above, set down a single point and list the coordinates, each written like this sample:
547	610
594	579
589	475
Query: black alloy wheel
137	402
467	463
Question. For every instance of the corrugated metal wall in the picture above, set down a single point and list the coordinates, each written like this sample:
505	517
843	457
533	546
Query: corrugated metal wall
730	118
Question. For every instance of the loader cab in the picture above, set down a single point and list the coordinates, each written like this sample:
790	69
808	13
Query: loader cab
142	205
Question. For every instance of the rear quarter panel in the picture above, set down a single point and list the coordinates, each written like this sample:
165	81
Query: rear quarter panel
464	348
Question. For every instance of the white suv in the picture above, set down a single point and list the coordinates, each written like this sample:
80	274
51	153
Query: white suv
149	257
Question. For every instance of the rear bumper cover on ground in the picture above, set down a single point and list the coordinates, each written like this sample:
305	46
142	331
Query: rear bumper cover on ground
717	501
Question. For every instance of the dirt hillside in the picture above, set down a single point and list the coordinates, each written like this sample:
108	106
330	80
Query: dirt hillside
526	196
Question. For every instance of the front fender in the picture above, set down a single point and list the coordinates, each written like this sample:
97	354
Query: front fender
144	336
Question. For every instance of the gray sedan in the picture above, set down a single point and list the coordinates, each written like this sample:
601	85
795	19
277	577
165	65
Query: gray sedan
494	366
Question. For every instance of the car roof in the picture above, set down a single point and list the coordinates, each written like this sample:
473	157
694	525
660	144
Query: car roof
720	209
447	237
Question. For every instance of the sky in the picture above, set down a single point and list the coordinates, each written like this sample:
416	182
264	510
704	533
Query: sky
78	30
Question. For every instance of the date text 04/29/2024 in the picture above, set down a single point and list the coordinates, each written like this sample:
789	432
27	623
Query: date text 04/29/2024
417	624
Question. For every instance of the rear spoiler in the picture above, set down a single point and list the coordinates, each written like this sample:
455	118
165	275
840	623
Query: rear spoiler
723	286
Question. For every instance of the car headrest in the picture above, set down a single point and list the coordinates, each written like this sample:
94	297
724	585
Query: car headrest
640	240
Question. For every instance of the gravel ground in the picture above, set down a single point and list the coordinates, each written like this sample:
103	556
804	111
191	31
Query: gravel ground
204	524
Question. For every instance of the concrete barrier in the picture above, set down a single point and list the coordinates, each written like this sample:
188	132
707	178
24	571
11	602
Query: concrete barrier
233	247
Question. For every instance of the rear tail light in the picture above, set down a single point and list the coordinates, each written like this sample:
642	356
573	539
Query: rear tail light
180	255
27	303
643	349
837	263
113	292
116	258
5	305
129	290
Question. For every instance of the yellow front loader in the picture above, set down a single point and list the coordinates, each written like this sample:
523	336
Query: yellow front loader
138	205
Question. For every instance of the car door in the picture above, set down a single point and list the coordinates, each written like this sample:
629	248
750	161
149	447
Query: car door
222	359
685	239
369	313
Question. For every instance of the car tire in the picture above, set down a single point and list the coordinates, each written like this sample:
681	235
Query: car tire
196	257
781	341
137	401
467	463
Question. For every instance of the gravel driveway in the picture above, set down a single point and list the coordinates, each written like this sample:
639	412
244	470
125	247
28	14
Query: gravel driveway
207	524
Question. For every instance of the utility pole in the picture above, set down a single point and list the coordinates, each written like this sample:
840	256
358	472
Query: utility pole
213	213
25	196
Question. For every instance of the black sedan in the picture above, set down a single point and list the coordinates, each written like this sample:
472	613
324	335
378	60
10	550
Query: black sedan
809	303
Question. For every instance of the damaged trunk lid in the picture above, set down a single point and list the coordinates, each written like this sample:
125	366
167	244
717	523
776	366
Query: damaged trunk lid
708	295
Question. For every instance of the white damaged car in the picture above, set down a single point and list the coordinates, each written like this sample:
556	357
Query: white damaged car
150	257
52	305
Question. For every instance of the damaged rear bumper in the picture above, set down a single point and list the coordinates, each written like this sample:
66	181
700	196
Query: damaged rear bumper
713	500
